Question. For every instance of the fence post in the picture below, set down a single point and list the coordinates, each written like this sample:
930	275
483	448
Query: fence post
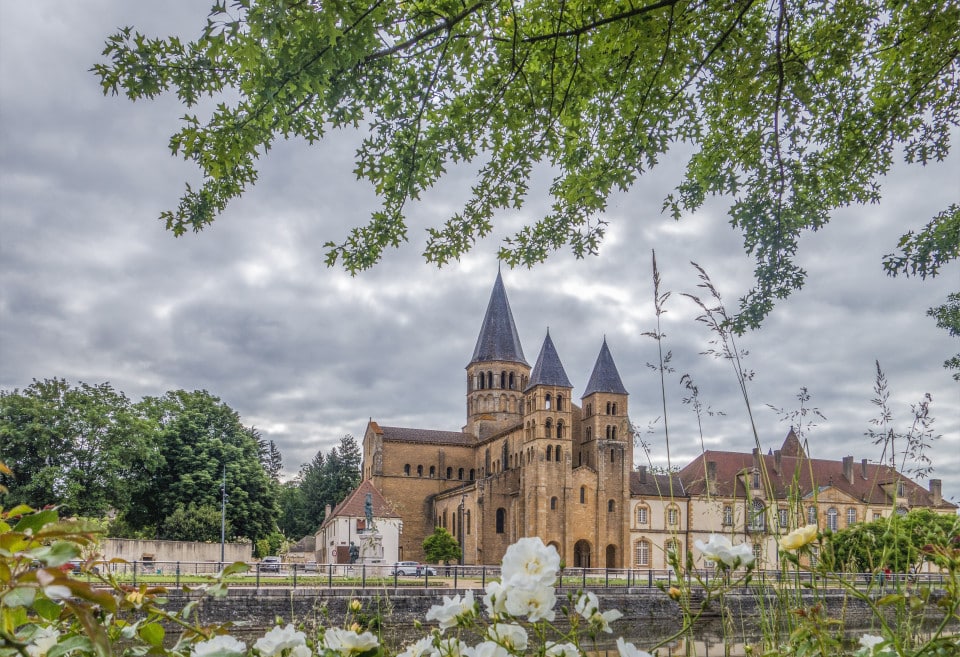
178	574
483	577
456	571
294	575
258	576
650	578
329	575
363	576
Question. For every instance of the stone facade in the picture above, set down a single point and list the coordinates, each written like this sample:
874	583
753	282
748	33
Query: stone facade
531	462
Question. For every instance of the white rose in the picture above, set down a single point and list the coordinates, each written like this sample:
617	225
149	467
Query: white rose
535	603
223	645
451	610
348	642
279	639
529	563
629	650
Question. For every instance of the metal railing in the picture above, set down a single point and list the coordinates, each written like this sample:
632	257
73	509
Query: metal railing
378	576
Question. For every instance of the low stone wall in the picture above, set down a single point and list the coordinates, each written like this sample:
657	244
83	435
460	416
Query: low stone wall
253	611
173	551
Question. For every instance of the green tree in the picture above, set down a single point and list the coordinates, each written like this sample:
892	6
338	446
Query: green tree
898	542
948	318
294	520
327	480
792	110
441	547
85	447
199	436
193	523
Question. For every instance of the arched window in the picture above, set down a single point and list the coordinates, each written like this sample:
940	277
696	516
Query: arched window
613	433
611	506
589	410
559	402
503	379
482	381
614	406
812	515
832	518
549	452
673	515
559	429
758	516
851	516
756	480
512	382
608	408
460	474
548	402
608	432
472	473
449	473
784	518
556	453
433	471
642	553
589	434
553	503
643	515
419	470
501	519
548	428
406	469
490	379
583	495
727	515
444	518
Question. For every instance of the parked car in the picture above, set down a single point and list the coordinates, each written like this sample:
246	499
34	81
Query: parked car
270	565
310	566
425	569
411	568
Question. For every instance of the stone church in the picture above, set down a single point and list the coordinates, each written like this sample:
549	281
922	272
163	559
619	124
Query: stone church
528	462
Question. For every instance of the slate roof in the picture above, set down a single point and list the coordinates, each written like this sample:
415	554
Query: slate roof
868	485
605	377
647	484
354	506
426	436
549	370
498	339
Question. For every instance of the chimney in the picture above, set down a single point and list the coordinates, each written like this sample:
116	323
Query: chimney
863	468
326	513
936	490
848	469
643	474
756	457
711	477
778	459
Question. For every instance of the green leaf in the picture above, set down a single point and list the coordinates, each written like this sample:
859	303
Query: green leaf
47	609
36	521
20	596
152	633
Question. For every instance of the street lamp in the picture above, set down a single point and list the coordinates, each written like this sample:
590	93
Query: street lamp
223	515
463	502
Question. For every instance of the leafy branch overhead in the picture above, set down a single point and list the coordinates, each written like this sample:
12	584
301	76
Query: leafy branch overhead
793	110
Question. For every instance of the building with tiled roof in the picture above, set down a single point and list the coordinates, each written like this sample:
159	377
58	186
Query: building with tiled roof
347	524
758	497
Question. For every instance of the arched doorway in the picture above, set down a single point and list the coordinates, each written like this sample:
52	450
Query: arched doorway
611	556
581	554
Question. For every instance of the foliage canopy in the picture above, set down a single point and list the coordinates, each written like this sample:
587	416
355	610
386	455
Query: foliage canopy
792	110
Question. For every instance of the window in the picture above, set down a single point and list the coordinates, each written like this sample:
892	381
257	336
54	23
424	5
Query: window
673	516
727	515
512	382
548	401
611	506
589	410
608	408
460	474
589	434
549	452
406	469
756	480
559	429
613	433
583	495
559	402
758	516
832	519
614	408
613	456
812	515
642	515
501	519
642	553
877	515
556	453
784	518
449	473
472	473
899	489
758	552
553	503
433	471
419	470
851	516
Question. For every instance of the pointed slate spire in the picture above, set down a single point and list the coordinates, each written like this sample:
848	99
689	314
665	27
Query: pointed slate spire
605	377
549	370
498	339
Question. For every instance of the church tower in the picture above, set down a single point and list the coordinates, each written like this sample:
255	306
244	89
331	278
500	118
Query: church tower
497	372
607	447
546	446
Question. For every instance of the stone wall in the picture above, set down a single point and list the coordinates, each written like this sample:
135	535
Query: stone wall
166	551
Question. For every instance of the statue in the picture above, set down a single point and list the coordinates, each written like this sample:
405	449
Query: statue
354	553
368	510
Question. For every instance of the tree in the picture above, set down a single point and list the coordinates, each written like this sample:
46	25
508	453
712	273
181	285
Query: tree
199	436
792	110
441	547
193	523
84	447
327	480
948	317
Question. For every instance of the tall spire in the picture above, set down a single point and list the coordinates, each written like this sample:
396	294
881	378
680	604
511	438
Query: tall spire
605	377
549	370
498	339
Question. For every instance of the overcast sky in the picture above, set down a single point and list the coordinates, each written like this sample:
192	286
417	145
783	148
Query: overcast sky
94	289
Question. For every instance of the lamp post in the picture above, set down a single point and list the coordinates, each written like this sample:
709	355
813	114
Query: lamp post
463	514
223	515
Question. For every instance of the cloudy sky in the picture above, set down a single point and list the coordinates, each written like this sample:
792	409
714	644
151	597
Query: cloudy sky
93	289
